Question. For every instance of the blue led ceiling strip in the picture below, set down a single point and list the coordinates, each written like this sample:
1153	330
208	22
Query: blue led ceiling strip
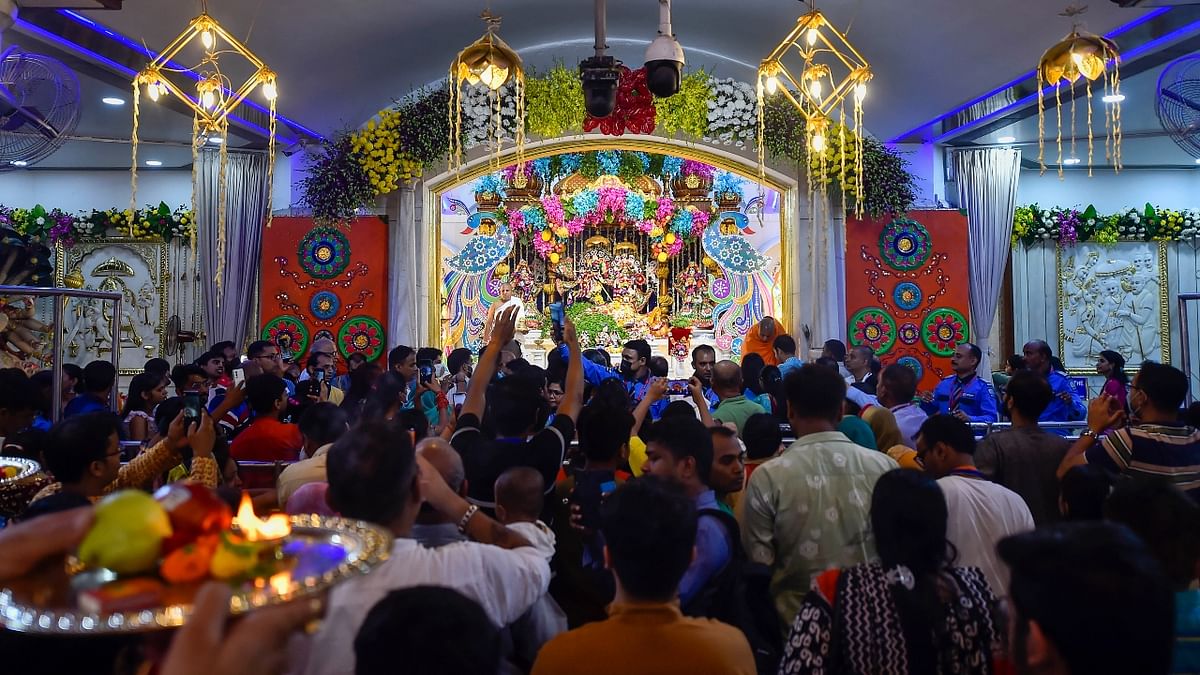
151	55
1120	30
1128	54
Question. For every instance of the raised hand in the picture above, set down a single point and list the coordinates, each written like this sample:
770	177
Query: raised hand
506	326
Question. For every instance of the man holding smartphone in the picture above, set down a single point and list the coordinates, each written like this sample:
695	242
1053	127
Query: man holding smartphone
320	374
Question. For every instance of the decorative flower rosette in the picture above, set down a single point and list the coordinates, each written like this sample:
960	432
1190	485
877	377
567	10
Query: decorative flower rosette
679	343
905	244
907	296
909	333
547	223
634	111
872	327
288	333
325	305
944	330
361	335
324	252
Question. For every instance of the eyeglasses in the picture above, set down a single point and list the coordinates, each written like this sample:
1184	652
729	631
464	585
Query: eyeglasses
273	357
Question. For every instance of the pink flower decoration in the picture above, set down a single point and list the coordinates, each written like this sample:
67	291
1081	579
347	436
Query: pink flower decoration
675	248
542	248
516	220
666	208
694	168
644	226
700	221
575	226
554	210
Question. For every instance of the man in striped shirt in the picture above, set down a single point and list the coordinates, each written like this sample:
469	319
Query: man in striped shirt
1156	445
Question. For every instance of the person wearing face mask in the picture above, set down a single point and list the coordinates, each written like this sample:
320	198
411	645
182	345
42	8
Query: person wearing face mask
635	373
1155	444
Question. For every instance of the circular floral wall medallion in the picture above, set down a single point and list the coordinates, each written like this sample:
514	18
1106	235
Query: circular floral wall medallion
907	295
720	288
904	244
944	330
288	333
325	305
870	326
909	333
361	335
324	252
912	362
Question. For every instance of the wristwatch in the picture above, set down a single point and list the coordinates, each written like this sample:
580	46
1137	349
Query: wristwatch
1088	433
462	523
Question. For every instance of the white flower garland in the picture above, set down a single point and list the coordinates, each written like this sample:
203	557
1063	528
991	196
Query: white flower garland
479	112
732	112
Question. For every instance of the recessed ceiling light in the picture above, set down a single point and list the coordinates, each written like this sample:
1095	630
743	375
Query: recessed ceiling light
1113	98
1006	139
216	140
153	162
113	100
19	162
1198	161
1071	160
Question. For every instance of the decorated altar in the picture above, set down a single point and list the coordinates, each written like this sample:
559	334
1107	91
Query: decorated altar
629	244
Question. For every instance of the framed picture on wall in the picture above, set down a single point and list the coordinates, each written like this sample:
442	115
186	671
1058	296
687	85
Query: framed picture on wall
1114	298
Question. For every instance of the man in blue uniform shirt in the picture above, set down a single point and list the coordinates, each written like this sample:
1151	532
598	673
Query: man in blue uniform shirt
635	372
1065	406
963	394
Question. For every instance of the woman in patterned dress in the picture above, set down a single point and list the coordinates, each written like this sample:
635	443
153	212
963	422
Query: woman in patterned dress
912	612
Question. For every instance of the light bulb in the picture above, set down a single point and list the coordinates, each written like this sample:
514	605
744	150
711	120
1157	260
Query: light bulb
152	91
772	84
206	37
207	100
268	90
818	142
814	89
860	91
811	37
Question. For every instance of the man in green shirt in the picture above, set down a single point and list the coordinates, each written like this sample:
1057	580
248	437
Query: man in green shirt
733	406
808	510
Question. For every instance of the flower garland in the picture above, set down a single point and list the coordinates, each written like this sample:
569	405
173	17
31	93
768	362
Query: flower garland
634	112
415	135
1032	224
732	113
56	226
548	223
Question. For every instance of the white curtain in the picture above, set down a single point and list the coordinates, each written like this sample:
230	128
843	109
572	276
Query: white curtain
404	265
987	190
818	266
227	316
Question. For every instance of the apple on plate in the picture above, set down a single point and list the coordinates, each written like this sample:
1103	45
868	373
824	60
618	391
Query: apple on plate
194	511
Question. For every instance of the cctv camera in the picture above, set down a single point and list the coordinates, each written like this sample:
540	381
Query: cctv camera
664	57
599	76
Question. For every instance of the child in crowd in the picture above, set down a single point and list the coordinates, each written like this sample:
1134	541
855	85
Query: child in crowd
146	391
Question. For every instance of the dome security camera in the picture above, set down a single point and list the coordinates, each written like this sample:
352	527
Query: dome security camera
664	57
599	76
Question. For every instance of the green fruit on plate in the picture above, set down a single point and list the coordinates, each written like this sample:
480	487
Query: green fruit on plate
127	533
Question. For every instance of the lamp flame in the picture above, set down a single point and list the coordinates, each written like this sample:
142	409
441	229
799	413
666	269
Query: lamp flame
276	526
281	583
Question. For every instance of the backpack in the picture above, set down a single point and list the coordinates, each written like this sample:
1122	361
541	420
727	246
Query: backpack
740	596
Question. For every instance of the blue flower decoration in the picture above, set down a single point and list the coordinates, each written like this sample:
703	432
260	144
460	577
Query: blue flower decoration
635	205
682	222
672	166
907	295
643	159
570	162
325	305
491	183
585	201
727	182
542	168
610	161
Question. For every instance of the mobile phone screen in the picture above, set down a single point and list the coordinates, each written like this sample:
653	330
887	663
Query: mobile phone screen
239	376
192	405
677	387
320	376
426	370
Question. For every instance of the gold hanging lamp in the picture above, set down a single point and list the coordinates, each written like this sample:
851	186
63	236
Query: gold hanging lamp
1085	56
825	69
491	62
211	103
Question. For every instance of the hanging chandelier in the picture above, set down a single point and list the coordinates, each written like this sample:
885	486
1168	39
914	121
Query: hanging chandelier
490	62
1085	56
211	102
817	69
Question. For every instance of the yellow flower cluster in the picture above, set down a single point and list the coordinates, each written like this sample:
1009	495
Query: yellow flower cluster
377	147
1170	225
